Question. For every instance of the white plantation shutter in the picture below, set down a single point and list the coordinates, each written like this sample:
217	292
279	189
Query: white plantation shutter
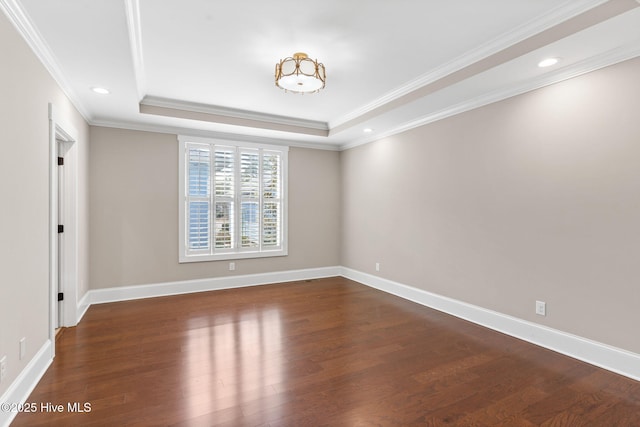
250	198
271	199
233	199
224	176
198	202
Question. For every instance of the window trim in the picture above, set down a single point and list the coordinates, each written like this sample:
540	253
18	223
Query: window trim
238	253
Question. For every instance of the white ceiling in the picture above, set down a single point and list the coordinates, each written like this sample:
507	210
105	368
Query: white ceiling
206	67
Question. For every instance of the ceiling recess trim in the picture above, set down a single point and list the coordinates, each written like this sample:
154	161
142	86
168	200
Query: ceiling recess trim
606	59
21	21
132	12
216	114
527	30
179	130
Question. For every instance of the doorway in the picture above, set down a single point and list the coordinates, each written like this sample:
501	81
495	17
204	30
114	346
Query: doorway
63	240
59	307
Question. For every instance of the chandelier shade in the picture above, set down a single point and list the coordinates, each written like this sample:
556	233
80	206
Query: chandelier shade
300	74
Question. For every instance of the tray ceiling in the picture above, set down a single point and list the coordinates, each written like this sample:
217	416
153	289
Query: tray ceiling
206	67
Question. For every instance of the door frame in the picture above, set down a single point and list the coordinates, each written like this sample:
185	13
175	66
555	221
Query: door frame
62	139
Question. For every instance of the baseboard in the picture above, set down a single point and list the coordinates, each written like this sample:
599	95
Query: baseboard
82	307
126	293
23	385
607	357
21	388
614	359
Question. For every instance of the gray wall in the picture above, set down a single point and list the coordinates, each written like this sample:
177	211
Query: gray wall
134	212
26	89
535	197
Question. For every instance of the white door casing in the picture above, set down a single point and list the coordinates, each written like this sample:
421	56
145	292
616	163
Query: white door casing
62	141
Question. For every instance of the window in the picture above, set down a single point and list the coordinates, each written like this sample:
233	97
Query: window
232	200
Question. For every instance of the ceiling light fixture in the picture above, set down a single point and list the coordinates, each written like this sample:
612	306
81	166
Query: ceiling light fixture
300	74
548	62
101	90
367	130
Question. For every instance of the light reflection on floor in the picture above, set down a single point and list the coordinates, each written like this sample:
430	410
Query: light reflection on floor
231	358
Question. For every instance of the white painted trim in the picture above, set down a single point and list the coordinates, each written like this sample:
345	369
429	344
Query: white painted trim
134	25
70	238
177	130
614	359
554	17
175	104
126	293
82	307
22	23
53	223
61	129
594	63
38	45
212	254
189	138
23	385
607	357
606	59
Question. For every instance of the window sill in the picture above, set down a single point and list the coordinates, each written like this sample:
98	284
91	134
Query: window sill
184	259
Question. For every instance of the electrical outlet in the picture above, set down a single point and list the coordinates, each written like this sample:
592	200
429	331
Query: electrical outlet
377	266
541	308
23	347
232	266
3	368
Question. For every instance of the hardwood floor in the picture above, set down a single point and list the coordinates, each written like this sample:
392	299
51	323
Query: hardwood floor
328	352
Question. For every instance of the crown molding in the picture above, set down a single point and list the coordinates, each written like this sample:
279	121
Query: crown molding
178	130
611	57
22	23
132	12
606	59
529	29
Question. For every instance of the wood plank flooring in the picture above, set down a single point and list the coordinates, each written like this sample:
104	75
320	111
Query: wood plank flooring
327	352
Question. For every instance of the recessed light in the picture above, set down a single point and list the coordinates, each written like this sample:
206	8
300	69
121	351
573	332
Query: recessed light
548	62
101	90
367	130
